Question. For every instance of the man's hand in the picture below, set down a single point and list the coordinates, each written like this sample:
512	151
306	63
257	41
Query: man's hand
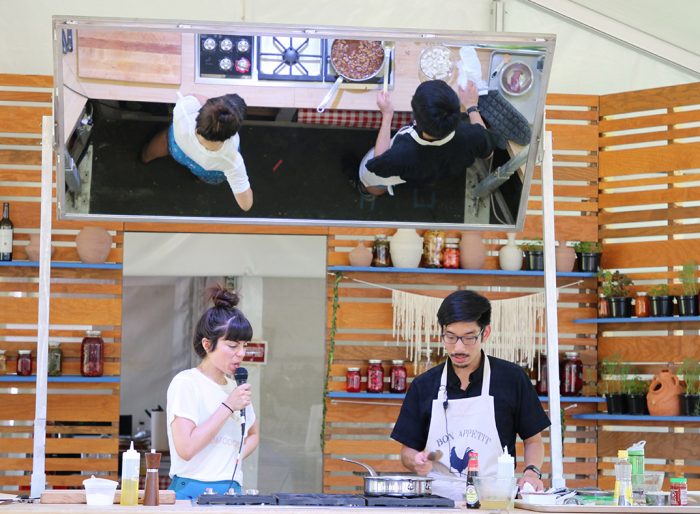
469	96
384	104
422	465
531	478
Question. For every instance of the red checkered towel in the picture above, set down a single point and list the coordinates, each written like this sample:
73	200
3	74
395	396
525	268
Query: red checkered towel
356	119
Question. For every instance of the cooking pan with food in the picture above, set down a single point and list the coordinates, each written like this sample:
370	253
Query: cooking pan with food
406	486
354	60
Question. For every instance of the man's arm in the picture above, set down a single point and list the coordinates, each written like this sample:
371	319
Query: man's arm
469	97
534	454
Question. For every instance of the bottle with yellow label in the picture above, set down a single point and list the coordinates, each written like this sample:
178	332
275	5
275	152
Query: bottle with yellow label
131	467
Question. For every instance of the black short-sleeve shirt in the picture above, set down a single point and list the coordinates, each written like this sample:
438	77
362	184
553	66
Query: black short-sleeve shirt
517	408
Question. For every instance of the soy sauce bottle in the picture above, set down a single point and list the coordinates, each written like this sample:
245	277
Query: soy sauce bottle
472	495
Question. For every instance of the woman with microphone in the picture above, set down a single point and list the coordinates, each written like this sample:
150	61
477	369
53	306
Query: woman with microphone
207	435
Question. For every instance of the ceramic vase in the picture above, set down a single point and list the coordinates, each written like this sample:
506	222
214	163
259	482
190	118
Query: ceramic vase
406	248
510	256
472	251
663	398
360	255
32	249
565	257
93	245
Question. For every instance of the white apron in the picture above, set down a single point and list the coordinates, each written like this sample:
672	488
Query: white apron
467	424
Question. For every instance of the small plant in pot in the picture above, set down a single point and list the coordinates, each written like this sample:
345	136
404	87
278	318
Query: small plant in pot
688	301
610	385
615	288
661	301
636	389
588	255
690	400
534	254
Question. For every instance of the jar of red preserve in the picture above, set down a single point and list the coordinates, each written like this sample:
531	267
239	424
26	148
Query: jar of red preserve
352	380
92	354
398	377
375	377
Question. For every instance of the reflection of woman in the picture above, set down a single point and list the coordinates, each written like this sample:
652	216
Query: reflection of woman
205	427
204	138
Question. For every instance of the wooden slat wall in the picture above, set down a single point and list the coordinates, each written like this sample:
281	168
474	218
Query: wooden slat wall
359	429
82	418
649	157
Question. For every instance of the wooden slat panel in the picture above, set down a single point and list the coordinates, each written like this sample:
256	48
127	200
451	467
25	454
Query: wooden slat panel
72	407
350	446
682	156
681	194
644	122
647	137
23	119
667	446
68	311
570	100
9	79
649	99
58	464
651	253
63	445
579	137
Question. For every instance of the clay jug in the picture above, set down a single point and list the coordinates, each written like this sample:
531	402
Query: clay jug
406	248
565	257
32	249
663	398
360	255
472	251
510	256
93	245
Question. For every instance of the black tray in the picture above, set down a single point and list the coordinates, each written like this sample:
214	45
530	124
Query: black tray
237	499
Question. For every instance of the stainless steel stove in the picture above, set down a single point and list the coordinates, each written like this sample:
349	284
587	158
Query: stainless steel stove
291	58
316	499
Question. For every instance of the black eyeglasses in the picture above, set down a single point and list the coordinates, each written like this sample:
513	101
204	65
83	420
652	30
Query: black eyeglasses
451	339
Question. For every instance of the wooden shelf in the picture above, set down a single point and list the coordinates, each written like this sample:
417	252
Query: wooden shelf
661	319
445	271
633	417
60	379
55	264
564	399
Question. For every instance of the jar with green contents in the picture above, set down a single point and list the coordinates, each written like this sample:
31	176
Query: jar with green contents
55	359
3	363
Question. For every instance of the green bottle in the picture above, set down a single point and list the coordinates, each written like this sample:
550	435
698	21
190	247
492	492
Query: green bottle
635	455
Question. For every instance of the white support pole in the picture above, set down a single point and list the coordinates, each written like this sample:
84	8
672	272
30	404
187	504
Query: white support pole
38	483
550	289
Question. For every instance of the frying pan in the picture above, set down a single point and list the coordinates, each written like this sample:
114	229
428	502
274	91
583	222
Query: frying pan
407	486
336	56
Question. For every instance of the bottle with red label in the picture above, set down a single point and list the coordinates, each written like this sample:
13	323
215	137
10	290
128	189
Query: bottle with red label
398	377
352	380
375	377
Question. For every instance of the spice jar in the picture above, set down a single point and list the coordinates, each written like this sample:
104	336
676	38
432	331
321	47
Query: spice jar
380	252
398	377
433	246
375	377
352	380
92	354
24	363
641	305
55	359
679	491
603	307
541	385
450	256
3	362
571	375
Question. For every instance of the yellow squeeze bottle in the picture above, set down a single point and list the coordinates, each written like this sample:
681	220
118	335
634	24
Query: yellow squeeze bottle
131	466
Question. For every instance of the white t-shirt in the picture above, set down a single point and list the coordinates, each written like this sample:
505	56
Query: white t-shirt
194	396
226	159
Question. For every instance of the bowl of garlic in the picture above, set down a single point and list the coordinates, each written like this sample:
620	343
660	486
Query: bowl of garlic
436	63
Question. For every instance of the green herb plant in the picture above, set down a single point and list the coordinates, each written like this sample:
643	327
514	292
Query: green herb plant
690	369
688	280
534	245
588	247
614	284
659	290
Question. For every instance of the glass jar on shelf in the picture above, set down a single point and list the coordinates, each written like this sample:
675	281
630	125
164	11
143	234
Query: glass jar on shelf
541	386
398	377
381	258
603	307
92	354
375	376
24	363
3	362
55	366
433	247
352	380
450	256
571	375
642	307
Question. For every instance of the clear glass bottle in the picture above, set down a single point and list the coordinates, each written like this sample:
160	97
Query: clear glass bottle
398	377
6	233
381	257
623	480
3	363
55	359
352	380
375	377
92	354
571	380
24	363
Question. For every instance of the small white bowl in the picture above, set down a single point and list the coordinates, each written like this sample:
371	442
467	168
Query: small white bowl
100	491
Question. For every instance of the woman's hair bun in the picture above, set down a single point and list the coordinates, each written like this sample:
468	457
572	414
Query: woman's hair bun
223	297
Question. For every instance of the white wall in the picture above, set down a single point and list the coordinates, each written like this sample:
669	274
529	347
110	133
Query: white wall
584	62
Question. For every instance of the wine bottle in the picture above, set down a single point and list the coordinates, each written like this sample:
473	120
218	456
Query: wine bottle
6	229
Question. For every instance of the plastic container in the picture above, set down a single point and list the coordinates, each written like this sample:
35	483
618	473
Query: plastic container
99	491
635	454
506	464
496	493
679	491
622	495
131	470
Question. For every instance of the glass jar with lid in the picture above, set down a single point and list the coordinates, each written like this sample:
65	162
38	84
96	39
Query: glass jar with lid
381	258
92	354
375	376
3	362
55	367
450	256
24	363
352	380
433	246
398	376
642	306
572	375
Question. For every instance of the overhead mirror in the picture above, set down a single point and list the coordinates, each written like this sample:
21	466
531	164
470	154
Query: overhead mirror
311	115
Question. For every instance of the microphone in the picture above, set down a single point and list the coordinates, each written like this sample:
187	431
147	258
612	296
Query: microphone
241	377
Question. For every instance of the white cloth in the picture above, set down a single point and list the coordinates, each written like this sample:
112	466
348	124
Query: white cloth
227	159
194	396
470	69
464	425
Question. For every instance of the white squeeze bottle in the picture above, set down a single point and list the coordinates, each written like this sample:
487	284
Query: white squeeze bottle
506	464
131	466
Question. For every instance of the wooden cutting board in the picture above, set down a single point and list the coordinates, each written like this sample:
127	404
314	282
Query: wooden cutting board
130	56
167	497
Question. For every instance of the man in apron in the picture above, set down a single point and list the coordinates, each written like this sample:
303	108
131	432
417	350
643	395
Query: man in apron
472	402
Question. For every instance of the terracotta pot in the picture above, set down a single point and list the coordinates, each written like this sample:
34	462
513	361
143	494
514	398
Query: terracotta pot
510	256
93	245
472	251
663	398
360	255
565	257
406	248
32	249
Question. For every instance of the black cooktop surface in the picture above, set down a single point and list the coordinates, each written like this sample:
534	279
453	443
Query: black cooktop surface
318	499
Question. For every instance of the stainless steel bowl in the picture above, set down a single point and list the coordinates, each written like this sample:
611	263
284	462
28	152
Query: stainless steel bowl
516	78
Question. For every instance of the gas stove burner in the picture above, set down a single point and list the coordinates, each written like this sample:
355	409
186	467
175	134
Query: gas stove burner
225	56
292	58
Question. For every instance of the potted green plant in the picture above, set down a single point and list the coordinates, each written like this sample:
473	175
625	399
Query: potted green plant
610	385
661	301
534	254
636	389
615	288
588	255
690	400
688	301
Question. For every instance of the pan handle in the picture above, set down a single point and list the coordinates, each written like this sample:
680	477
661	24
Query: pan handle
369	469
330	95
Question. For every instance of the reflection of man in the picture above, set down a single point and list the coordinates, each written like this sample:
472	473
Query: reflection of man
440	144
470	402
